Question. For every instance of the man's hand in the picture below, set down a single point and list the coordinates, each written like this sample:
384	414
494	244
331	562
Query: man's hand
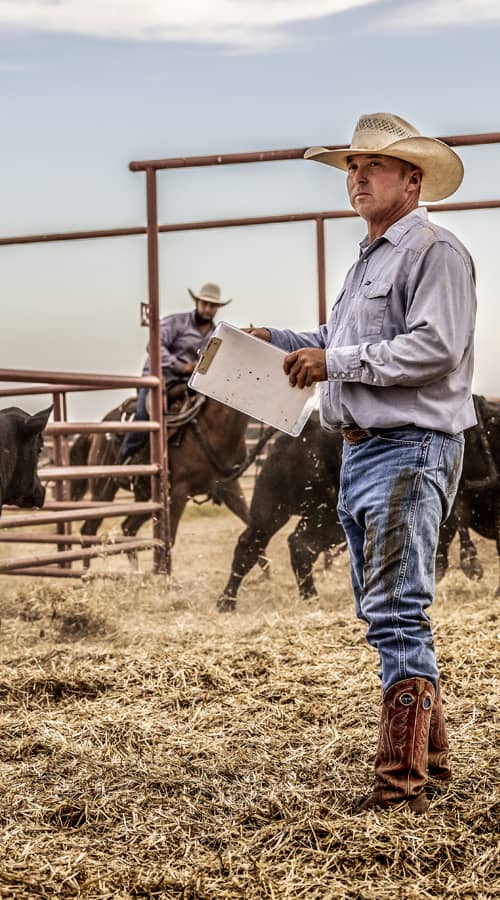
305	367
187	368
263	333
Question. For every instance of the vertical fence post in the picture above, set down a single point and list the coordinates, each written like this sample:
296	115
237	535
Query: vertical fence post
320	250
158	443
61	488
65	452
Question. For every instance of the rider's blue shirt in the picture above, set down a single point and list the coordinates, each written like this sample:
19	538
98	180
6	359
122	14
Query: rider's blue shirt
180	341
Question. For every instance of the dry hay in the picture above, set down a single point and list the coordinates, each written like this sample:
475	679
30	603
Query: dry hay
153	748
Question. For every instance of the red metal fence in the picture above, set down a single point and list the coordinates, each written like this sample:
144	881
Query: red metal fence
62	511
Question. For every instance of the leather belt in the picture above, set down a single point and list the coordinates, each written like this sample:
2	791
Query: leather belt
353	434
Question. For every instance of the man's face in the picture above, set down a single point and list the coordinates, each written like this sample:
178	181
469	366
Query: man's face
378	185
206	310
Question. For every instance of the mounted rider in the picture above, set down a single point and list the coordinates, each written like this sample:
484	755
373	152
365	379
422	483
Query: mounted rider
182	336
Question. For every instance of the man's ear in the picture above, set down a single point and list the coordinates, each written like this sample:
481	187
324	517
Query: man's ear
36	423
415	177
413	185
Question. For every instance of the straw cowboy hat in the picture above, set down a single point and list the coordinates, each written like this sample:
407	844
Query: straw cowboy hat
210	293
388	135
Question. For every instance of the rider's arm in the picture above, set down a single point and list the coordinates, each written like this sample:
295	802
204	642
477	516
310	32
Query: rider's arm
171	346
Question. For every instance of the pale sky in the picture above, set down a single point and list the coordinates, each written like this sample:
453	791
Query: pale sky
88	86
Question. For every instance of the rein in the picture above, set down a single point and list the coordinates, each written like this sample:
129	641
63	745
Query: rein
185	416
492	479
231	473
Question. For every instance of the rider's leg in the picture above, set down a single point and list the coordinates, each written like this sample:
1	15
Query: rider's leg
134	440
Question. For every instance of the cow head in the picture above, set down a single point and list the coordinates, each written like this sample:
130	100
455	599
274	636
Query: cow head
21	442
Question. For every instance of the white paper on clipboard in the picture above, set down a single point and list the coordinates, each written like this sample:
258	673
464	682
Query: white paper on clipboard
247	374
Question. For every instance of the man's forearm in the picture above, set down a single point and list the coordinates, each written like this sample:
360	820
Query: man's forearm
297	340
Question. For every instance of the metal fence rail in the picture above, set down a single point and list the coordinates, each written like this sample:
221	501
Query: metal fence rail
63	512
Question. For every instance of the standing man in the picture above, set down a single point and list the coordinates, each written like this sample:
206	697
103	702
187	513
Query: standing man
182	336
395	364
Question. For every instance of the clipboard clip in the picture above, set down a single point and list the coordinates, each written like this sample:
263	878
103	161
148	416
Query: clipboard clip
207	357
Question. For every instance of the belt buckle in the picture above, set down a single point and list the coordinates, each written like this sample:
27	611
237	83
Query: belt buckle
355	435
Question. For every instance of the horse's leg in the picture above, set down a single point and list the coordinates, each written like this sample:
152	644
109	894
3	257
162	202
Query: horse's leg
133	522
105	491
249	549
78	456
130	527
469	560
101	452
231	493
178	499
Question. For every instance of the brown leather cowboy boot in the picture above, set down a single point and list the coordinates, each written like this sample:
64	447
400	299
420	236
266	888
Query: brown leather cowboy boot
402	753
438	742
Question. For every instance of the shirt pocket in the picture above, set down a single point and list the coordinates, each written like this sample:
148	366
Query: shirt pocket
372	304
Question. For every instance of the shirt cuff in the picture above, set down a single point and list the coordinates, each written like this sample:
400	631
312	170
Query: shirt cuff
344	363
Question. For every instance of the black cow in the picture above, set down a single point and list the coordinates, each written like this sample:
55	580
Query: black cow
300	476
20	445
477	504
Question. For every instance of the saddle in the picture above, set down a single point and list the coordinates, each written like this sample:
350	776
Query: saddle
182	408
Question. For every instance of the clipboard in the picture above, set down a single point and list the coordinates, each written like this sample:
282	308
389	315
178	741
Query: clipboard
247	374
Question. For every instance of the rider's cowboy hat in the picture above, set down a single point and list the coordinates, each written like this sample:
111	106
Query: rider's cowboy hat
210	293
388	135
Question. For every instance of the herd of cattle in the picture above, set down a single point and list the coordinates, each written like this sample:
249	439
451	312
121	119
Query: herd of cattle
299	477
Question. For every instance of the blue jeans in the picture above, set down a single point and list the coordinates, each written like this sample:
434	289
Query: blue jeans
396	488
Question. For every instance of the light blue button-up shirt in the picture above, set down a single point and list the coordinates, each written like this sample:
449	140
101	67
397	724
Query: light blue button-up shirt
399	339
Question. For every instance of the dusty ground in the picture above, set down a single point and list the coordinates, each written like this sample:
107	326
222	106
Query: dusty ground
151	747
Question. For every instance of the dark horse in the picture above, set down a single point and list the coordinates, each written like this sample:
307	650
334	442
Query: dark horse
203	456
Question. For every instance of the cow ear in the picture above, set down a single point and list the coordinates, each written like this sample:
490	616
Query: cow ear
35	424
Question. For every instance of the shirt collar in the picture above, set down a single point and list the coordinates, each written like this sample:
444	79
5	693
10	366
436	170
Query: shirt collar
398	229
